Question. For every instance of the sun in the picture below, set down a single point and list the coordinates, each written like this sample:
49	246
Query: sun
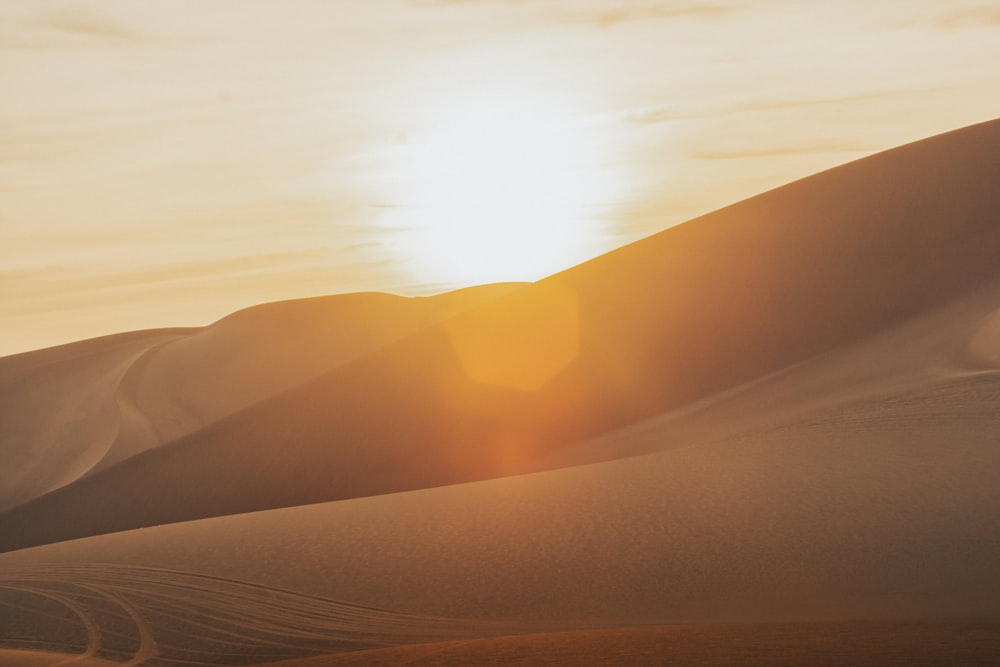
500	187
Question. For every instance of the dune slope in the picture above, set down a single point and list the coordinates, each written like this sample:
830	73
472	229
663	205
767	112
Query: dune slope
714	645
59	415
882	502
500	389
75	409
852	474
182	385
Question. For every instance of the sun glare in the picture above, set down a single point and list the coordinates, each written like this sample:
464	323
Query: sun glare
500	188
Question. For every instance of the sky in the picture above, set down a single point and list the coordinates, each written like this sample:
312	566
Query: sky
164	163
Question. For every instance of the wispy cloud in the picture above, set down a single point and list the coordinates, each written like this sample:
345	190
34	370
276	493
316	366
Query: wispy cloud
770	105
663	115
604	14
614	15
780	151
983	15
651	116
90	25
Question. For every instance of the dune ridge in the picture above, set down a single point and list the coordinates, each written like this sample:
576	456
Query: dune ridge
884	507
770	435
76	409
699	308
59	411
862	501
244	358
952	342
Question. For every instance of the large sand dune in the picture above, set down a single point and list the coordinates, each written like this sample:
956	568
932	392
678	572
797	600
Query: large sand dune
677	317
75	409
882	506
784	413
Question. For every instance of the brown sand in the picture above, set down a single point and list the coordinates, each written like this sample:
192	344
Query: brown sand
880	644
880	504
678	317
798	426
59	414
19	658
75	409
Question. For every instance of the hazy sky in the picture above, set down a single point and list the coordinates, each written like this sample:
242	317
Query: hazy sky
164	163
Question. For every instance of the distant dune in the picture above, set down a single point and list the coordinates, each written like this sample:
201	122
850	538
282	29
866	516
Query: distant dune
74	409
766	436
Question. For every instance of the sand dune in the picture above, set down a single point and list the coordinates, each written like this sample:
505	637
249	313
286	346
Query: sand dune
732	438
885	507
138	614
59	410
75	409
865	500
185	384
678	317
953	341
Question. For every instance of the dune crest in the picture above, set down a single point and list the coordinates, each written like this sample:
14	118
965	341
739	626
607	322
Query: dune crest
184	384
75	409
783	413
59	412
698	309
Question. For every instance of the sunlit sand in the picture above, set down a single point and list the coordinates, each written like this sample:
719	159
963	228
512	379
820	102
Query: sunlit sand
765	436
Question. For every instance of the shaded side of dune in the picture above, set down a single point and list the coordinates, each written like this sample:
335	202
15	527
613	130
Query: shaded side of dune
689	312
878	502
59	416
259	352
888	508
75	409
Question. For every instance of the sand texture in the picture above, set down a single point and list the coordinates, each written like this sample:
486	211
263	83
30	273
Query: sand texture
770	435
706	645
72	410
